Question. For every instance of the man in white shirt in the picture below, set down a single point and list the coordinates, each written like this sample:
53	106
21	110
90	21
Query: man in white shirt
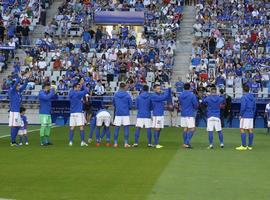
99	89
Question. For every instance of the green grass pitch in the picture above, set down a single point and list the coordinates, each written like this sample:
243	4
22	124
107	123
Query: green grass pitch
61	172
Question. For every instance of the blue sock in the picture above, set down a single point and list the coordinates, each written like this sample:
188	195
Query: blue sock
188	138
92	127
82	135
210	137
21	138
156	137
191	133
184	136
13	133
149	135
250	139
126	134
220	136
116	133
108	134
25	138
98	134
71	134
103	133
243	138
159	134
137	135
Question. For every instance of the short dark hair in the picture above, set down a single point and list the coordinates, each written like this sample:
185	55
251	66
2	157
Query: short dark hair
246	88
145	88
46	84
122	85
221	91
156	85
213	89
187	86
22	109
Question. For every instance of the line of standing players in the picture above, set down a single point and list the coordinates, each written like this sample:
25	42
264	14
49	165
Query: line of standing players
150	115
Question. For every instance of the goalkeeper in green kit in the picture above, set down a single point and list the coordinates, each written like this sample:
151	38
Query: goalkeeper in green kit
46	95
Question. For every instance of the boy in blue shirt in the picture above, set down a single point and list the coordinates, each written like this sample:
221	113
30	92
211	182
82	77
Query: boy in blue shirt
23	129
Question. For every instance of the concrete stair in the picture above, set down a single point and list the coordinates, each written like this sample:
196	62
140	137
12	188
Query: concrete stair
184	44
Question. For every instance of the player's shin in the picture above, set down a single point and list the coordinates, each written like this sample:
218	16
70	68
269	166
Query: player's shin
103	133
220	136
71	135
116	133
92	128
156	137
126	134
98	134
184	136
108	134
243	139
250	139
210	137
149	135
137	135
42	134
12	134
82	135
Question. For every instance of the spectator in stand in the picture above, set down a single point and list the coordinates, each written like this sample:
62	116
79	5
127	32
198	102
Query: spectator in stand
25	35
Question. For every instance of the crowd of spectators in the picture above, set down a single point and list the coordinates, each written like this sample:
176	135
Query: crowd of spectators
232	46
17	19
98	55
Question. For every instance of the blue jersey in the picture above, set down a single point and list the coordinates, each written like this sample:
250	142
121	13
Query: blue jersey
143	105
213	103
157	102
23	122
188	103
15	96
122	103
75	97
248	106
45	100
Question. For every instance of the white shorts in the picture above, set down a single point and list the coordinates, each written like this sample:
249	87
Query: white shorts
103	117
246	123
268	123
213	123
158	122
187	122
144	122
14	119
22	132
121	120
77	119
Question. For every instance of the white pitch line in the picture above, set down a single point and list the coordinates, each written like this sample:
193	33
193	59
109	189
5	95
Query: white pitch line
31	131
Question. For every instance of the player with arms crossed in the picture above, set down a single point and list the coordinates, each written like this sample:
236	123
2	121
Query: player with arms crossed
122	103
188	104
14	95
247	113
77	118
143	105
157	103
103	117
214	103
45	99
